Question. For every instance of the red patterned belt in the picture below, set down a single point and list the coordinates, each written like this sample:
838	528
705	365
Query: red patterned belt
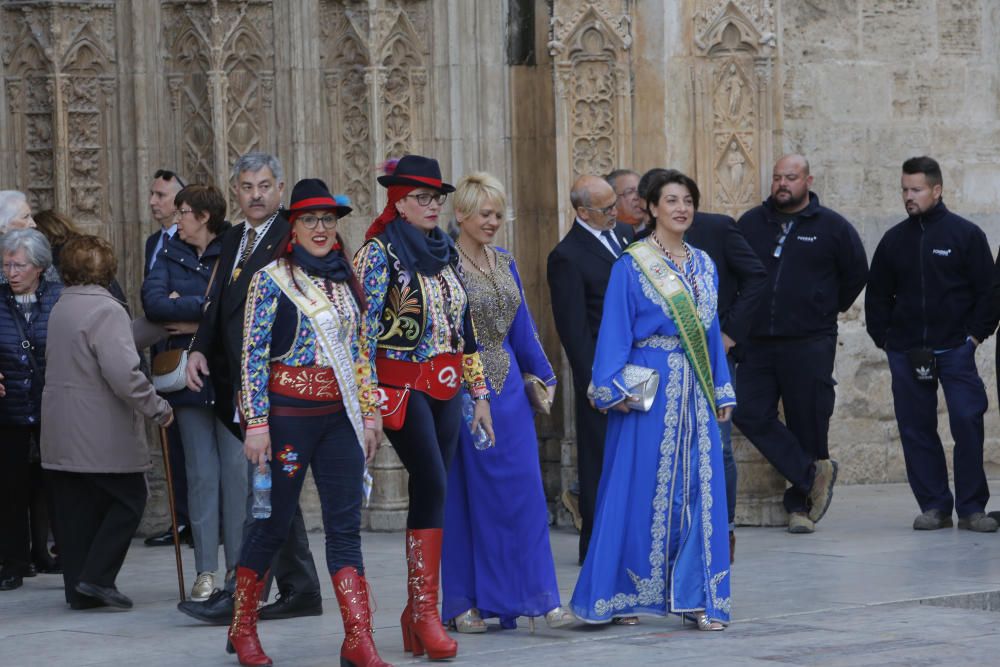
311	383
439	377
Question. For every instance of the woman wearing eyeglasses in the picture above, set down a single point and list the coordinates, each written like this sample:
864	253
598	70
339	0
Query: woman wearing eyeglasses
308	399
174	294
423	345
660	543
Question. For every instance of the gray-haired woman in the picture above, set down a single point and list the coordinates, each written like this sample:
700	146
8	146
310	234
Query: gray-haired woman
15	212
27	298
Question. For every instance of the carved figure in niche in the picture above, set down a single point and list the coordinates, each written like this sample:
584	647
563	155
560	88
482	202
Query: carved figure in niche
735	162
734	88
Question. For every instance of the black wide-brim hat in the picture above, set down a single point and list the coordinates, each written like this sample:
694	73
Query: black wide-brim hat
311	194
418	171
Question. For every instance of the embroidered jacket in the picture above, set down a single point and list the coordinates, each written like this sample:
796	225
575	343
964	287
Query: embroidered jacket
412	317
275	330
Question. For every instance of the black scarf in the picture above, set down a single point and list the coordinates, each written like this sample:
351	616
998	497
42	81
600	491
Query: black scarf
426	254
333	266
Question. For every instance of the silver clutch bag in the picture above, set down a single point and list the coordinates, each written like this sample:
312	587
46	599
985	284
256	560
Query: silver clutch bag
642	383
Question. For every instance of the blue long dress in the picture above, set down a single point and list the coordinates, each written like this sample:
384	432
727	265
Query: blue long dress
496	554
660	542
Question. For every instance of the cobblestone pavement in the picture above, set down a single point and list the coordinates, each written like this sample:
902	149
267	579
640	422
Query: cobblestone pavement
865	589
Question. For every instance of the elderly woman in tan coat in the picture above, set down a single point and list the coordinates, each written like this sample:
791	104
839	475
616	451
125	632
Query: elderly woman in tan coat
93	440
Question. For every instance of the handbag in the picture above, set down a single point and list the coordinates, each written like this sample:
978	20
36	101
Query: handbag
392	405
169	371
538	393
640	387
170	366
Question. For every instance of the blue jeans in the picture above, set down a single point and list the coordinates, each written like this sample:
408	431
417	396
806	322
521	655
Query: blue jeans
329	444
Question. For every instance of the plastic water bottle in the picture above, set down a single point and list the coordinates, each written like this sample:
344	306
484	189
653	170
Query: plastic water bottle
480	439
261	493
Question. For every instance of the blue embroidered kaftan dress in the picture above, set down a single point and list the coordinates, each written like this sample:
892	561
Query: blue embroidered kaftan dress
660	542
496	554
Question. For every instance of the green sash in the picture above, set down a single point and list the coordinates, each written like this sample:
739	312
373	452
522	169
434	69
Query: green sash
684	311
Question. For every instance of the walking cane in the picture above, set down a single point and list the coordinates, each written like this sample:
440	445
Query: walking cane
165	446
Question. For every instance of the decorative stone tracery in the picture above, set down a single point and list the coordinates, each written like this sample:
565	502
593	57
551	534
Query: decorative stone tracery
375	70
734	42
590	44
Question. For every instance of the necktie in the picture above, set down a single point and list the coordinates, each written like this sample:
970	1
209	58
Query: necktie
610	238
247	249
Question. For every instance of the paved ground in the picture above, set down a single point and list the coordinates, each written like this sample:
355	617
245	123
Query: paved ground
864	590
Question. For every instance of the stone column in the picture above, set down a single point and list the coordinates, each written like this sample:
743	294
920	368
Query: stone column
761	488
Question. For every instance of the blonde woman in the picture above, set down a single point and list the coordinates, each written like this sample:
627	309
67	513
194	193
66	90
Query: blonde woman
497	560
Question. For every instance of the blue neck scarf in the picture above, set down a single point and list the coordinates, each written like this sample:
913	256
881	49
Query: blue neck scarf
333	266
427	254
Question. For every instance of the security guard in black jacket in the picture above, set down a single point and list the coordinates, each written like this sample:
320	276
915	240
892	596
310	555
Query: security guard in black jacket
929	305
816	268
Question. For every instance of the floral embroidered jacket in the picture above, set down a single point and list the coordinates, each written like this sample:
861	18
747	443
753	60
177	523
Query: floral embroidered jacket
275	330
412	317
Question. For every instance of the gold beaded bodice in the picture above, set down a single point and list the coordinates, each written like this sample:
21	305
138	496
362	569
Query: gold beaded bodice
494	299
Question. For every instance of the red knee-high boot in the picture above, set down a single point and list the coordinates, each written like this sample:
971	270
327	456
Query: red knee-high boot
358	649
423	560
243	640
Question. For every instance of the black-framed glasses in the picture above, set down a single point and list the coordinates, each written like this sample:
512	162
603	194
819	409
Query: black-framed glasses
425	198
607	210
168	175
311	221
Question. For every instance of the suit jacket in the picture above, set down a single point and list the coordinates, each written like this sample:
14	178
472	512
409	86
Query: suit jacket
220	334
151	242
578	271
742	276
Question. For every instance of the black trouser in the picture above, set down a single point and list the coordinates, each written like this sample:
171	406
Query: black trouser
329	444
15	496
426	445
591	429
799	373
96	515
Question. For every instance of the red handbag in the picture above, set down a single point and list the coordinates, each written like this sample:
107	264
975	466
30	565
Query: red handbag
392	405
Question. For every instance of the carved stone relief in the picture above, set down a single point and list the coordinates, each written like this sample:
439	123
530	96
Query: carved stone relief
220	77
590	46
735	41
59	80
375	71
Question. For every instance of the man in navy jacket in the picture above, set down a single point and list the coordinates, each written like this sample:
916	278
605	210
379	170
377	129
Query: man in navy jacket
929	306
816	268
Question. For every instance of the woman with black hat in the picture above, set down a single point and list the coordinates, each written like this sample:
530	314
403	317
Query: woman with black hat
307	388
423	345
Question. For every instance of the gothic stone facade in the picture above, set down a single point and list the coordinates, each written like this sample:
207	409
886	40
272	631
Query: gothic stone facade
97	94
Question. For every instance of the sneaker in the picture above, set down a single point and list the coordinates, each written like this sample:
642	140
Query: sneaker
571	501
821	492
978	522
799	523
204	584
933	520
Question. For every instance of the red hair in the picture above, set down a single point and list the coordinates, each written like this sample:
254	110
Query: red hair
389	213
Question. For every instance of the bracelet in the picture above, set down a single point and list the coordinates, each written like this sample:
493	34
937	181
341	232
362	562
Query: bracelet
482	397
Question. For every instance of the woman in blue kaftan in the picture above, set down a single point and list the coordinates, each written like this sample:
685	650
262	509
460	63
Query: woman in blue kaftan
497	560
660	542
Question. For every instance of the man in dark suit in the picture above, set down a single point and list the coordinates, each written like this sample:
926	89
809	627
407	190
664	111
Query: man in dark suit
162	190
742	285
578	271
216	354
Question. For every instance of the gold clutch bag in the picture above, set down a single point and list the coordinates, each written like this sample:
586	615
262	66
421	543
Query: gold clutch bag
538	393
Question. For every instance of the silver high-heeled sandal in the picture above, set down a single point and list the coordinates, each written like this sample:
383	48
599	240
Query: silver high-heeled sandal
559	617
701	620
468	622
